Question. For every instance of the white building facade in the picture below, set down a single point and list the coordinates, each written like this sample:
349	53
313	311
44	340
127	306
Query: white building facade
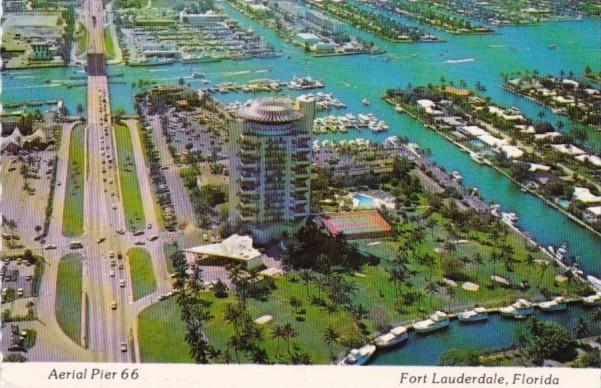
270	154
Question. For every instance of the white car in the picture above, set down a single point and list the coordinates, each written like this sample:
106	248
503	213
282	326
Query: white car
112	273
50	246
122	283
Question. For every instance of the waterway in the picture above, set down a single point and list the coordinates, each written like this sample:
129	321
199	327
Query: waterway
496	333
352	78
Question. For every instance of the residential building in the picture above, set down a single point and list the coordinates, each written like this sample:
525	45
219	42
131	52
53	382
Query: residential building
270	166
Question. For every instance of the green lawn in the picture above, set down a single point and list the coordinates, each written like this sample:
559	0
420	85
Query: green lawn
130	188
73	209
168	250
142	275
82	39
162	333
69	294
108	43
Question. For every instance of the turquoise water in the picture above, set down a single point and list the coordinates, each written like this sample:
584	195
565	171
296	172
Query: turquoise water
497	332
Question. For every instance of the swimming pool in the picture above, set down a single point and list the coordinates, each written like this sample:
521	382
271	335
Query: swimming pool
364	201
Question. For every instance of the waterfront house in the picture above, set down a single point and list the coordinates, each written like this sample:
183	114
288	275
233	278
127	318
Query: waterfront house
592	214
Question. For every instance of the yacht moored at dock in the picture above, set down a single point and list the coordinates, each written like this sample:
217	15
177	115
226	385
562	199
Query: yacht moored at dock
359	356
518	310
437	321
592	300
393	337
557	304
477	314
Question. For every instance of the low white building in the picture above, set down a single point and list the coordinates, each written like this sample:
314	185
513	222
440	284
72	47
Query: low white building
592	214
237	248
584	195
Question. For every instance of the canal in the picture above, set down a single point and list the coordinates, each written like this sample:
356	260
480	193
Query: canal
352	78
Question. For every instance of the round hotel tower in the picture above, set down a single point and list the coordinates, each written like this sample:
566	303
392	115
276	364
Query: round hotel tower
270	166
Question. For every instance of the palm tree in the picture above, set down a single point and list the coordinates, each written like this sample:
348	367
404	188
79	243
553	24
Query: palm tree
530	260
582	328
289	332
330	337
306	277
276	333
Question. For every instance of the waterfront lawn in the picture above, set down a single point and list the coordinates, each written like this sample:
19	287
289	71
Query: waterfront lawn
130	188
108	43
162	333
73	207
141	272
69	294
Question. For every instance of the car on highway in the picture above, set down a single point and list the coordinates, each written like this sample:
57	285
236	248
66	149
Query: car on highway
138	232
20	292
112	273
28	277
113	263
149	226
4	292
115	207
120	231
122	283
111	254
152	238
75	245
119	256
123	347
140	242
100	240
50	246
121	266
113	305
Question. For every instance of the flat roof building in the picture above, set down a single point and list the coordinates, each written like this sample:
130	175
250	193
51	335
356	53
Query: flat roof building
236	248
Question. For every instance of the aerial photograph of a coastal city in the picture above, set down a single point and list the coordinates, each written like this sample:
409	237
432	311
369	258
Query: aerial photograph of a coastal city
302	182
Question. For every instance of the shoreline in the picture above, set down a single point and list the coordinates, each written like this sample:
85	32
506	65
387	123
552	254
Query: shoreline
497	168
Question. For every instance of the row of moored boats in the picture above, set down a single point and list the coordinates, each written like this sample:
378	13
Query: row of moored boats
521	309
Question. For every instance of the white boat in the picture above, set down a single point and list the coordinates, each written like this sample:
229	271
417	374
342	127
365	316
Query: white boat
592	300
595	282
478	314
519	310
557	304
365	101
393	337
359	356
437	321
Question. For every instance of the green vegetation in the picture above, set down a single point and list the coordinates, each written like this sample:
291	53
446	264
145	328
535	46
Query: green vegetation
548	340
130	188
73	208
30	338
162	333
82	39
69	294
141	271
109	45
169	249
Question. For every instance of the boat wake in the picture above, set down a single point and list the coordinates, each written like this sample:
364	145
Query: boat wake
465	60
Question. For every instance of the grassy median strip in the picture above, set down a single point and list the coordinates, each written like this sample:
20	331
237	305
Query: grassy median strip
130	187
69	294
108	43
162	333
142	275
73	210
